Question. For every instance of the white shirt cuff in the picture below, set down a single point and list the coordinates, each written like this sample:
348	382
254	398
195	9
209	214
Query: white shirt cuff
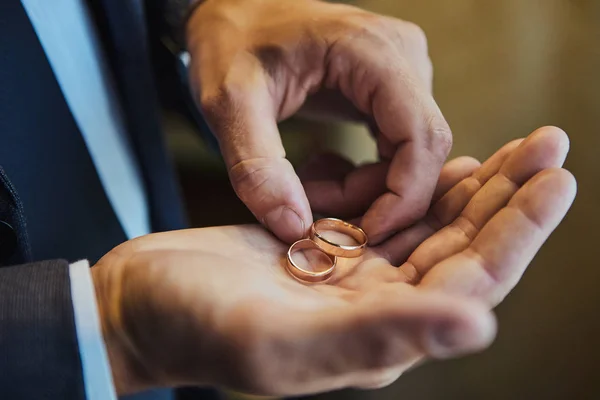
97	375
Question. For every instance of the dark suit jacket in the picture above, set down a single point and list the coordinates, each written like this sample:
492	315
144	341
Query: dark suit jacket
53	209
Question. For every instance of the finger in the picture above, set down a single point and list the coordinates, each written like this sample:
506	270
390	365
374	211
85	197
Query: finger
413	173
400	246
492	265
242	115
545	148
339	191
353	345
452	173
454	201
351	196
451	204
407	115
397	249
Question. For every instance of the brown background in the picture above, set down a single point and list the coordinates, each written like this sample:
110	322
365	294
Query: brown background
503	68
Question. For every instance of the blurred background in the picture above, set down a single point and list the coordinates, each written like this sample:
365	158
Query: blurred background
502	69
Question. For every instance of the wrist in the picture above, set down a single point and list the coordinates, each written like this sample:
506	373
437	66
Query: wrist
129	374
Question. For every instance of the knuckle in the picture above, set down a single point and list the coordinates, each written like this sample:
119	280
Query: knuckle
227	86
441	136
377	23
415	34
219	101
419	208
210	103
368	27
428	70
249	176
424	64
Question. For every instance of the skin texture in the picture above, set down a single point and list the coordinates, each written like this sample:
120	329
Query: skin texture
216	306
257	62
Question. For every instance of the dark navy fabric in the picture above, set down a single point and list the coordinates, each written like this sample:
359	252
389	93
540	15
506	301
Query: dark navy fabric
123	25
39	355
48	185
52	203
44	155
14	243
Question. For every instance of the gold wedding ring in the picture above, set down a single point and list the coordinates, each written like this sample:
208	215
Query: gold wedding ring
336	249
317	241
305	275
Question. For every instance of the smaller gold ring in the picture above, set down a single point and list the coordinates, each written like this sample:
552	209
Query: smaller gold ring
336	249
304	275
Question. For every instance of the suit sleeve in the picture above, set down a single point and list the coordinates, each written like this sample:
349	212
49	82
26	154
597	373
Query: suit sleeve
39	351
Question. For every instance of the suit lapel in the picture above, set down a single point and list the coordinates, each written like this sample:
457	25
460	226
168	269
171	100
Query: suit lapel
43	153
123	26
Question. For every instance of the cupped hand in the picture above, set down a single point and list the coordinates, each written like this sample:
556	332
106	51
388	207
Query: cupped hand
216	306
256	62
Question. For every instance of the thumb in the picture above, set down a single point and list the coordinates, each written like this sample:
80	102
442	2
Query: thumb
372	340
242	115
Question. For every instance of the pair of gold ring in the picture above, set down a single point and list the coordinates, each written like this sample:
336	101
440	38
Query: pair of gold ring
317	241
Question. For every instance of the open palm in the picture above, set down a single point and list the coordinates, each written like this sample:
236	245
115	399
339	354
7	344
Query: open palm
217	306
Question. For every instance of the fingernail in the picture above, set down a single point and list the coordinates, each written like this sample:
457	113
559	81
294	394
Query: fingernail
285	223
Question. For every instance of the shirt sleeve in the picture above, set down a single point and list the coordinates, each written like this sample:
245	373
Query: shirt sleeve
97	375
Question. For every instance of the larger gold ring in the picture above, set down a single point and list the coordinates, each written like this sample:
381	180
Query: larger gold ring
336	249
302	274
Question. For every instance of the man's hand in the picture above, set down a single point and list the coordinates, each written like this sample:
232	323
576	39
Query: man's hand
255	62
216	306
